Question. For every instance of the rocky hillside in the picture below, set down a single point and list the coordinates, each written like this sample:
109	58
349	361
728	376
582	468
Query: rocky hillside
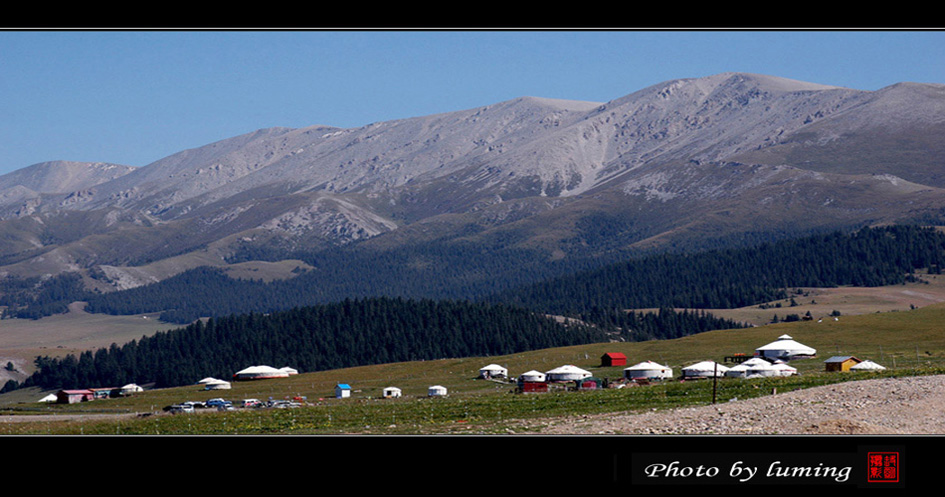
685	163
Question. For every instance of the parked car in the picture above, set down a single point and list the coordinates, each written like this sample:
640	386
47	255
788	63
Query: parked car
181	408
251	403
218	403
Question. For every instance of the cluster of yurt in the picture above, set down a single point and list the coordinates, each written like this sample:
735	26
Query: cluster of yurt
395	392
536	381
760	368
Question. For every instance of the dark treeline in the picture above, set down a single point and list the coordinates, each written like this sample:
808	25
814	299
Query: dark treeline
665	324
433	271
33	298
331	336
741	277
722	278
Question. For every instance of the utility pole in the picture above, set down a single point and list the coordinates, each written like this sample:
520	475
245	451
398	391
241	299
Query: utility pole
715	381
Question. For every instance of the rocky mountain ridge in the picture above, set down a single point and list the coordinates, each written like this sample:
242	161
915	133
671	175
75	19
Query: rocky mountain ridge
682	162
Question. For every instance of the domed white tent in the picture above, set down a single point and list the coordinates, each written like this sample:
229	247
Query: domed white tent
259	373
704	369
761	368
130	389
49	398
567	373
217	385
493	371
739	371
648	370
391	392
436	391
867	366
289	371
785	348
784	370
532	376
206	380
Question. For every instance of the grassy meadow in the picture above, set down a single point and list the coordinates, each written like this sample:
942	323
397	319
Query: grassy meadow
907	342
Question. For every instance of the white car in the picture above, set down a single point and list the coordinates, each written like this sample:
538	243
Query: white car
181	408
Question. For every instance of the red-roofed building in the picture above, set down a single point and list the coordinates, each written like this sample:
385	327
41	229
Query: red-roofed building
74	396
613	359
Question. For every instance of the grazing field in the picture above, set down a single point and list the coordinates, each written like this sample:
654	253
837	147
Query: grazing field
907	342
848	301
21	340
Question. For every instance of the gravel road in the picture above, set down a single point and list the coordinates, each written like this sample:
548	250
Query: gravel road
912	405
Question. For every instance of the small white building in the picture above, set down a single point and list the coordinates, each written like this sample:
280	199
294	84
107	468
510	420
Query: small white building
436	391
648	370
391	392
567	373
493	371
704	369
785	348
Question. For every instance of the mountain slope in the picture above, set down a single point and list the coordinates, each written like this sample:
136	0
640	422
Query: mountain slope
700	162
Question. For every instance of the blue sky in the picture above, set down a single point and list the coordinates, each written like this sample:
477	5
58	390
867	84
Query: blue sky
133	97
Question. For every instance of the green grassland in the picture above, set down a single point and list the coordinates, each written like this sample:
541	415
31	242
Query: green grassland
907	342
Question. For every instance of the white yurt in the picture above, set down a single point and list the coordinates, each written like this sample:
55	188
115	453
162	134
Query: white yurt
532	376
785	348
762	369
217	385
756	360
289	371
259	373
206	380
704	369
567	373
867	366
49	398
391	392
436	391
739	371
784	370
649	370
130	389
493	371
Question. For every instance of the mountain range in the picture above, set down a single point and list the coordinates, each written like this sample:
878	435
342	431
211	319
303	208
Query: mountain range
691	163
